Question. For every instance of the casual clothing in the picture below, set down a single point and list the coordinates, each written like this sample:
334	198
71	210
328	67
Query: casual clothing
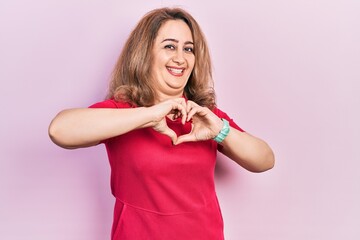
163	191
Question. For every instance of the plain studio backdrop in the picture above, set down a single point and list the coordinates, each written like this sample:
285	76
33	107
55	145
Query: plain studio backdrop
286	71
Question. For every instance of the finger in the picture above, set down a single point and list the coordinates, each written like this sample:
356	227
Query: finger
181	112
183	102
180	101
171	134
190	105
177	114
184	113
201	111
185	138
181	106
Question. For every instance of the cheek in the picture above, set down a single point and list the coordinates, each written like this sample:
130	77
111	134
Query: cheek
159	58
192	62
190	58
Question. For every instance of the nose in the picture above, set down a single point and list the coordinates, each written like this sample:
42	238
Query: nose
178	57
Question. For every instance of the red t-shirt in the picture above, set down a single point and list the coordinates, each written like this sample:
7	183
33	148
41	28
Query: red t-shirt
163	191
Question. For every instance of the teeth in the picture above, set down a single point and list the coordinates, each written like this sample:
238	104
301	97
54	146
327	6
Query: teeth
176	71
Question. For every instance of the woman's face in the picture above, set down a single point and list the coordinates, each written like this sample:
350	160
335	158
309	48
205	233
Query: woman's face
173	59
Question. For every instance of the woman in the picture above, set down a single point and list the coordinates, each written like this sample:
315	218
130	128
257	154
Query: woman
162	129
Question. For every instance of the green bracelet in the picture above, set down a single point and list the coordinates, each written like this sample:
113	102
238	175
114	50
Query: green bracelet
224	131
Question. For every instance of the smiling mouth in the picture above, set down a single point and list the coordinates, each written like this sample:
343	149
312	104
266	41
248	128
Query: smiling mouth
175	71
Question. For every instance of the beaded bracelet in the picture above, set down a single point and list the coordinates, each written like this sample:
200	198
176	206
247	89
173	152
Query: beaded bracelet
224	131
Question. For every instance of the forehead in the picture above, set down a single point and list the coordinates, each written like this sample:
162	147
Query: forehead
174	29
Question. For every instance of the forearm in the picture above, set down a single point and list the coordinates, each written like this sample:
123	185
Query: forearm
83	127
248	151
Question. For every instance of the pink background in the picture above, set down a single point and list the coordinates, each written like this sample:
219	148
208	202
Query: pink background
287	71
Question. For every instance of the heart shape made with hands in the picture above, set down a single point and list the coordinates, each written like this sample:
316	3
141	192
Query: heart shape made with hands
199	123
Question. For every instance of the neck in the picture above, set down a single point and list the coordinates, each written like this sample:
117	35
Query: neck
163	97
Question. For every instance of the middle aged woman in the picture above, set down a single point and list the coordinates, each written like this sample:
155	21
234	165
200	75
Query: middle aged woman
162	129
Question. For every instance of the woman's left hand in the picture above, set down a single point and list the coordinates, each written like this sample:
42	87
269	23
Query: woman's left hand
205	124
248	151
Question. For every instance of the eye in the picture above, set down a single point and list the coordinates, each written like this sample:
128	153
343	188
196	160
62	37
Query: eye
189	49
171	47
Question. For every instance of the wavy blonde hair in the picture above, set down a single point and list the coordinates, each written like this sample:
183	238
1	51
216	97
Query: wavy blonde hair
131	78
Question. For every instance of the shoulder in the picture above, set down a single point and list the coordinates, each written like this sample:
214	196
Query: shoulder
224	115
111	103
218	112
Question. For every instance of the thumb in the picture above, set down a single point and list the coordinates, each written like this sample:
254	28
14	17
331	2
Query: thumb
185	138
171	134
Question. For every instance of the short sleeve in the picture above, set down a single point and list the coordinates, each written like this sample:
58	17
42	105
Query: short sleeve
110	103
222	114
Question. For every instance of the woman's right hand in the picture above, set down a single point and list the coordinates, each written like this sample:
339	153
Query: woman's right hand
174	108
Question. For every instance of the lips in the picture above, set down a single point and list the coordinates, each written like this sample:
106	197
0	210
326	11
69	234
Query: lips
175	71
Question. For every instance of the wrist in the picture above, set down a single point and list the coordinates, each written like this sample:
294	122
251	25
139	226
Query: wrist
149	117
223	132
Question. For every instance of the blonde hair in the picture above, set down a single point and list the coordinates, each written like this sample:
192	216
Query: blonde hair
131	79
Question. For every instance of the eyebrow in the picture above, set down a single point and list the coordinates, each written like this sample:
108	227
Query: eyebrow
177	41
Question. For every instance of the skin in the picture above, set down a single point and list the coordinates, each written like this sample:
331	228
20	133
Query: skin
172	66
174	59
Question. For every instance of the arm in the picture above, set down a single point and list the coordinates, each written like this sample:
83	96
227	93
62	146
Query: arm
85	127
248	151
